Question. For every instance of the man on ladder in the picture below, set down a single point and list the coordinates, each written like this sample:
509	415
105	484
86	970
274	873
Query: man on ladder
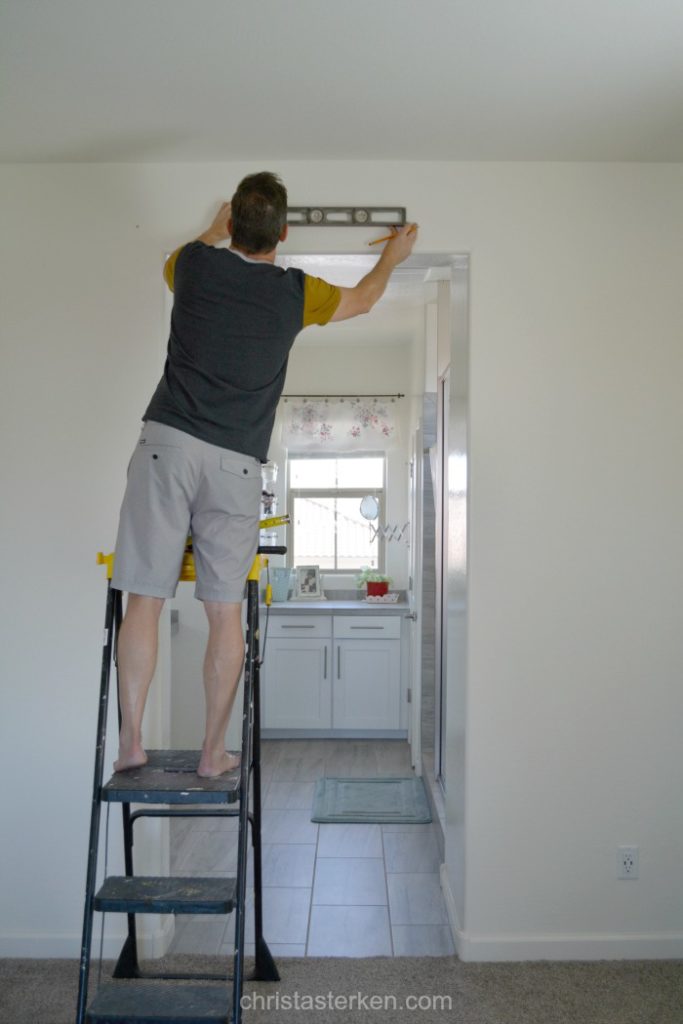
197	465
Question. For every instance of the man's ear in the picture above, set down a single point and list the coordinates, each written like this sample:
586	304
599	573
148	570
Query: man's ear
284	232
230	226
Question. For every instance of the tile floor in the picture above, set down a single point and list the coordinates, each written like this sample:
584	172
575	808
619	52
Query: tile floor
328	890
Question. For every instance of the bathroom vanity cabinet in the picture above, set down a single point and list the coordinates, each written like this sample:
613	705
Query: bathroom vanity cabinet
332	672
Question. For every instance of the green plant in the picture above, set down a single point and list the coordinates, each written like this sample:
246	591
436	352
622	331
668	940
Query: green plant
368	575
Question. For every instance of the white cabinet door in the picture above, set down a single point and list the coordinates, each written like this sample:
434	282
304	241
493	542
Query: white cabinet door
367	684
296	684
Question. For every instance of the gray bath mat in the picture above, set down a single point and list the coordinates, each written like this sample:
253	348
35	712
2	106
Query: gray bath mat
375	801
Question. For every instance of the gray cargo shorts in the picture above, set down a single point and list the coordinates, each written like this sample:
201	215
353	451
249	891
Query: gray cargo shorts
178	484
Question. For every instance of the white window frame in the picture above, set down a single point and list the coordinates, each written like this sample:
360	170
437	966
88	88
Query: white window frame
339	492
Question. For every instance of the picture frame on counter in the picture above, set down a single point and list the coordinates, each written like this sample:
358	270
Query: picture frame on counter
307	585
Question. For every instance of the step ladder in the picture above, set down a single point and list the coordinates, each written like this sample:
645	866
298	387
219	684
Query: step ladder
168	786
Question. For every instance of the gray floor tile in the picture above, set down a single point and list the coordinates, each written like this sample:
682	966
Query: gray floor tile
201	934
350	881
282	826
352	759
290	795
285	916
343	877
393	758
278	949
288	864
422	940
179	829
350	841
300	767
404	851
229	823
349	931
416	899
413	830
205	852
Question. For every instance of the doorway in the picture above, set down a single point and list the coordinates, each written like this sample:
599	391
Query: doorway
334	884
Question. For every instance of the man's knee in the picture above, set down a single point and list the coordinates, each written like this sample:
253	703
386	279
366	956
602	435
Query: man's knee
221	613
143	607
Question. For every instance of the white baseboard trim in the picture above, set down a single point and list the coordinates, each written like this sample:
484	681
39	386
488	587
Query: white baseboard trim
68	947
498	948
451	910
155	943
490	948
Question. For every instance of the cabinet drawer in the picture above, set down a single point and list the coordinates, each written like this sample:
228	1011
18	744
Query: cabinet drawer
367	627
299	626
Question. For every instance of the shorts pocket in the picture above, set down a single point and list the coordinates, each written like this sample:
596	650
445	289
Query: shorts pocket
243	467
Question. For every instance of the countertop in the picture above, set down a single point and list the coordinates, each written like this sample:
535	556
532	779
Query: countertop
331	605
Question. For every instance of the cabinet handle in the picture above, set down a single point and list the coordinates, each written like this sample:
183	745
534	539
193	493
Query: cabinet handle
304	626
325	668
338	661
367	627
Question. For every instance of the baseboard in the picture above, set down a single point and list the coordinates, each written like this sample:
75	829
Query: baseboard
68	947
498	948
155	944
57	947
489	948
451	910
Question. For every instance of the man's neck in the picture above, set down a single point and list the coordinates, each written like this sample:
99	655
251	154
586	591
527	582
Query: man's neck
265	257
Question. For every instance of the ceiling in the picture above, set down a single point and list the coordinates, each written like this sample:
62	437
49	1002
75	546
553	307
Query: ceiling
176	80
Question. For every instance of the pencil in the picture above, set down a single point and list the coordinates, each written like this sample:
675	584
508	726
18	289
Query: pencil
387	238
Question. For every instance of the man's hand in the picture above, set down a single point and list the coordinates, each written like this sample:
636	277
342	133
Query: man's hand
401	245
218	232
370	289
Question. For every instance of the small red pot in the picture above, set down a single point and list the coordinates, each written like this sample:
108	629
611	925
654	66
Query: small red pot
377	589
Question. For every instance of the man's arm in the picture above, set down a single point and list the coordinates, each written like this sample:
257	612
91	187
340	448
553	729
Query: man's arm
370	289
218	232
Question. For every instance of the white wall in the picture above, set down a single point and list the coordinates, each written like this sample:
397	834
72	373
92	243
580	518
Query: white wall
574	643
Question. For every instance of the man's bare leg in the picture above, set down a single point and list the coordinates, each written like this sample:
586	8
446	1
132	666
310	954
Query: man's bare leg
137	657
222	669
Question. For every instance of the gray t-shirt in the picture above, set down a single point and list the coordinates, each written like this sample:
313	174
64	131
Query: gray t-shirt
232	326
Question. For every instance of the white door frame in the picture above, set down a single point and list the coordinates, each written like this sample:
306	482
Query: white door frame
414	616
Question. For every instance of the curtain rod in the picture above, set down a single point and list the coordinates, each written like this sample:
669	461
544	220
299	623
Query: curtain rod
344	396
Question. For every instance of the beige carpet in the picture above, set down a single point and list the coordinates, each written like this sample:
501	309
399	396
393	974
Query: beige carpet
608	992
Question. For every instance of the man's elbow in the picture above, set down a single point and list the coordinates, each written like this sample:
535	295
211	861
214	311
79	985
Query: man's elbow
365	304
354	302
365	300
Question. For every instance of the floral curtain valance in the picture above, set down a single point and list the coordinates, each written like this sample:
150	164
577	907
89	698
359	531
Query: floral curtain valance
340	424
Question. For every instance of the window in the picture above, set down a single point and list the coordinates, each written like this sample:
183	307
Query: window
324	496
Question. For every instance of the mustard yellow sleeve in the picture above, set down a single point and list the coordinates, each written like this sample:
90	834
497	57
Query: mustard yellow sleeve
320	300
169	267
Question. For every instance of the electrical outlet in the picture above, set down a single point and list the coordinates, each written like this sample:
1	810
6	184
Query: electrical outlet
627	862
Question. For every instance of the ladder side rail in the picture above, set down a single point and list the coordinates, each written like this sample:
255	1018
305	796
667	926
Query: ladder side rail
127	965
245	765
264	966
256	830
93	843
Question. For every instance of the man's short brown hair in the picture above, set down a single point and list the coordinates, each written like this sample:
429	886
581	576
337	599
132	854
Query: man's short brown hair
259	212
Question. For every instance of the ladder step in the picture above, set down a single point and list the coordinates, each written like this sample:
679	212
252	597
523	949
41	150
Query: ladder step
153	895
170	777
156	1003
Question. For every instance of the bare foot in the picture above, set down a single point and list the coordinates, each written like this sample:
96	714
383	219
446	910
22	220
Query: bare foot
212	767
133	758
